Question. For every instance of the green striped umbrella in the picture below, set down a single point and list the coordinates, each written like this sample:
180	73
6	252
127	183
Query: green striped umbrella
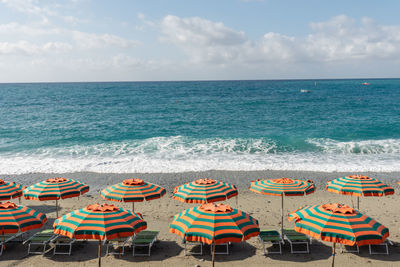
15	218
9	190
282	187
338	224
204	191
133	190
55	189
359	185
100	222
214	224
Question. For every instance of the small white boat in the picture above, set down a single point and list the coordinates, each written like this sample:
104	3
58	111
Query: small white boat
305	91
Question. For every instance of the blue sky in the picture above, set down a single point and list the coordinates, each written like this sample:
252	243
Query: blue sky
129	40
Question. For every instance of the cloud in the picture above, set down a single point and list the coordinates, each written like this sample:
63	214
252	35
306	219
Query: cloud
91	40
338	39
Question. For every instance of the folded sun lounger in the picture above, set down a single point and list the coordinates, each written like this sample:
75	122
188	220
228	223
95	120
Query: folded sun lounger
8	238
295	238
271	237
144	239
40	239
225	252
120	242
61	242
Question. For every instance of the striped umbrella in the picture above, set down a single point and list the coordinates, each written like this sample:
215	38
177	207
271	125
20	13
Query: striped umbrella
214	224
282	187
15	218
358	185
9	190
133	190
204	191
55	189
100	222
338	224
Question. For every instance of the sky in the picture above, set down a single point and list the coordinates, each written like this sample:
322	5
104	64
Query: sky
161	40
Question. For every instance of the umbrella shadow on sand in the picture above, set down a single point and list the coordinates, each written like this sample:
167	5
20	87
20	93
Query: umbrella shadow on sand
46	208
318	251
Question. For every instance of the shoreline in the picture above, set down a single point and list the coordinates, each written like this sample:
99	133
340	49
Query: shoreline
241	179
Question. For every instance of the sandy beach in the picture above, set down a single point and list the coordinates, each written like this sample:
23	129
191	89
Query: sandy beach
169	250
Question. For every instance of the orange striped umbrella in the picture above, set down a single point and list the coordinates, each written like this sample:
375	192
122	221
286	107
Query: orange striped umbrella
214	224
338	224
282	187
133	190
359	185
100	222
55	189
9	190
15	218
204	191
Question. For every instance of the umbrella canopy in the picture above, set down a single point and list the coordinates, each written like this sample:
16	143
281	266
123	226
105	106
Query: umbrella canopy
358	185
55	189
338	224
100	222
283	187
133	190
15	218
204	191
214	224
10	190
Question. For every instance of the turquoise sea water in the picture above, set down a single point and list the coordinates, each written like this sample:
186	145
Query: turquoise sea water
341	125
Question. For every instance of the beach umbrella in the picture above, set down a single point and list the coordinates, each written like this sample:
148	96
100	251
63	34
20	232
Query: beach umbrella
16	218
99	222
204	191
282	187
55	189
214	223
133	190
9	190
359	185
338	223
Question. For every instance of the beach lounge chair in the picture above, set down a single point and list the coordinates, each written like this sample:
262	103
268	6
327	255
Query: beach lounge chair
40	239
384	244
120	242
144	239
8	238
61	242
271	237
295	238
187	252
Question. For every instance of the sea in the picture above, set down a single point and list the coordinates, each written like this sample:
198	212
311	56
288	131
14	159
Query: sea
164	127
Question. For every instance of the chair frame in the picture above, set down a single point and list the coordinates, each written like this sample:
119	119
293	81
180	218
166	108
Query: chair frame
134	245
278	242
121	242
8	238
290	235
58	243
385	244
44	243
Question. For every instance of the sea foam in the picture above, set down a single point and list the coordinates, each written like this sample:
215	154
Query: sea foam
181	154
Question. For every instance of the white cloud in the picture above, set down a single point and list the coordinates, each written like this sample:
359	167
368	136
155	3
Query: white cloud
91	40
339	39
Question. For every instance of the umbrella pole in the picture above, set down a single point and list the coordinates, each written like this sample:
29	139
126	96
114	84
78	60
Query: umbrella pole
133	206
333	253
213	254
99	253
358	203
282	216
56	208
